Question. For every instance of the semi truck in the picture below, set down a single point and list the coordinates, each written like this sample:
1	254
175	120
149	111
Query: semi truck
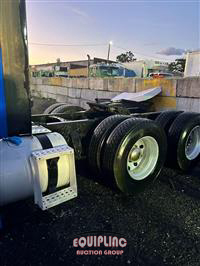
102	70
123	142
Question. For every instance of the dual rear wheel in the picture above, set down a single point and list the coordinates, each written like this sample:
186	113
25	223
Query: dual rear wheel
183	136
128	152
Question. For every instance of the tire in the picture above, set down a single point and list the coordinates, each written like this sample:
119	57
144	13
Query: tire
52	107
165	119
120	144
178	137
67	108
99	137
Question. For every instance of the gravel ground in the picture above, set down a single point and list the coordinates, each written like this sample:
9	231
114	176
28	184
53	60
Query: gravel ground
161	225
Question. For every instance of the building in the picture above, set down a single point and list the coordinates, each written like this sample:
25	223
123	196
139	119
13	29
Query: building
71	68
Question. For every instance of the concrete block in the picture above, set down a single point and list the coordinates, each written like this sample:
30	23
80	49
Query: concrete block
46	81
164	103
63	82
97	83
82	83
89	95
62	90
129	85
51	96
55	81
38	81
33	81
106	94
113	84
61	98
121	84
188	104
74	93
52	89
39	88
105	84
168	85
74	83
73	101
67	82
188	87
43	88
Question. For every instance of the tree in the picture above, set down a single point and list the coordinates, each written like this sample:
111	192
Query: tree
126	57
177	66
58	61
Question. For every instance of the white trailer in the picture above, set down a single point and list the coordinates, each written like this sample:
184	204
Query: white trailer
192	65
143	68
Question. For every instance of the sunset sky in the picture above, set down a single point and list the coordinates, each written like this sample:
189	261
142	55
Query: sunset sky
150	29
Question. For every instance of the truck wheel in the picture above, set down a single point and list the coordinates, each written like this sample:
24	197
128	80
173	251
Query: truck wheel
134	154
67	108
100	134
52	107
184	141
165	119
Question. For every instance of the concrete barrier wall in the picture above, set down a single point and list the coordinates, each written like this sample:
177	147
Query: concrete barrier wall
177	93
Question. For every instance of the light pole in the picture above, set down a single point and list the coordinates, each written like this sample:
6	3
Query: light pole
110	43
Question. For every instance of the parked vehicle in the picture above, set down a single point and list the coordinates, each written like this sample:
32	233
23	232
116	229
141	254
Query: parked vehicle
110	70
160	75
121	141
143	68
61	71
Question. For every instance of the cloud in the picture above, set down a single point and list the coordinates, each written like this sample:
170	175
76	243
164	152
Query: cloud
79	12
172	51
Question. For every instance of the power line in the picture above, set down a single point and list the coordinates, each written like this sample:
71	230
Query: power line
90	45
70	45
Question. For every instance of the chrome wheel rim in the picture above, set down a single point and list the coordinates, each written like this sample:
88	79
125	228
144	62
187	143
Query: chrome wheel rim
192	147
142	158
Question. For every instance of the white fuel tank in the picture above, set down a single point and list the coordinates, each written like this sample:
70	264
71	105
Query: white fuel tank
16	173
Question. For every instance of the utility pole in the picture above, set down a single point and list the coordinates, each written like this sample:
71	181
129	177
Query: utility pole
110	43
88	56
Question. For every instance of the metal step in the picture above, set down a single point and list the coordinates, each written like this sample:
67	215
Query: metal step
66	179
58	197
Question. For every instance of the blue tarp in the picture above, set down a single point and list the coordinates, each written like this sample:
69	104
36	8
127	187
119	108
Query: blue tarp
3	115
